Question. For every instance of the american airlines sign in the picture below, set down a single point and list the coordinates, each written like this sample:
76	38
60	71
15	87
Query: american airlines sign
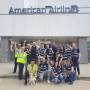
45	10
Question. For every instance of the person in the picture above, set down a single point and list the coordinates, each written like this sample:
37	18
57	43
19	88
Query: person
59	56
70	73
17	50
49	53
41	52
69	51
34	52
65	56
21	60
42	70
76	59
54	48
57	76
50	68
27	50
33	68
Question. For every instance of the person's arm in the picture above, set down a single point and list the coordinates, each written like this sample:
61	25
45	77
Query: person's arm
61	59
72	69
36	70
79	55
57	57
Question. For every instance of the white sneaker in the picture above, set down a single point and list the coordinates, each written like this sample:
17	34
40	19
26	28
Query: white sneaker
48	81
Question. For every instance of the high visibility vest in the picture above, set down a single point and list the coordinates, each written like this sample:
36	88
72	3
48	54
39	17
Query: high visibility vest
33	70
21	58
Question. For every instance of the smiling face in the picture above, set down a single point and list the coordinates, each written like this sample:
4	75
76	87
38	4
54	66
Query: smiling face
32	62
22	49
42	45
73	45
51	63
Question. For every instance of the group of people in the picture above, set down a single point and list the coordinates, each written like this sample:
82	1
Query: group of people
47	62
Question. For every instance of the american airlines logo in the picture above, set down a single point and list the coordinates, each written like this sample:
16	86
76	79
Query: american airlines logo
45	10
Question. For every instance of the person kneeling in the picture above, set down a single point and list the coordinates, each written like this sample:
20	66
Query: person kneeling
42	70
57	76
70	73
33	72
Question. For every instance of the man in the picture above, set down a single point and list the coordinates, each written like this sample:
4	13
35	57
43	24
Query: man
42	70
42	52
70	73
76	58
54	48
57	76
17	50
49	53
69	51
50	68
34	52
27	50
21	60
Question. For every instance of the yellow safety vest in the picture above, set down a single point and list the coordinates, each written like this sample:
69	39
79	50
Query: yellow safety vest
33	70
21	58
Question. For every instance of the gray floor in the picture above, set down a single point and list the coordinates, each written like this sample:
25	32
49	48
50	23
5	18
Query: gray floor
9	81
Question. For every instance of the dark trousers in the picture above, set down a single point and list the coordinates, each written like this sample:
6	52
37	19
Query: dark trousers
70	78
15	66
20	73
76	65
26	77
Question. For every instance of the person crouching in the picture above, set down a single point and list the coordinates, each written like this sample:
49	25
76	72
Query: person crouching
70	73
33	72
57	76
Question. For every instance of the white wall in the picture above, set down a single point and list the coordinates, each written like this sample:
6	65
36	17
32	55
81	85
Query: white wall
41	3
45	25
6	4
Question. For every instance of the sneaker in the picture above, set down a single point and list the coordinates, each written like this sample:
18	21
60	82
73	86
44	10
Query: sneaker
70	83
48	81
13	72
78	77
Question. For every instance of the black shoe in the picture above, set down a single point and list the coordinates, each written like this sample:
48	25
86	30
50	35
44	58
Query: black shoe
13	72
25	83
70	83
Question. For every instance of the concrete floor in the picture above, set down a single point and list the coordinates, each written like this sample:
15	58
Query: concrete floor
9	81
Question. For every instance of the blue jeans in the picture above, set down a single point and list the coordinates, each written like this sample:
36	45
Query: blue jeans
76	65
42	74
71	76
57	79
20	74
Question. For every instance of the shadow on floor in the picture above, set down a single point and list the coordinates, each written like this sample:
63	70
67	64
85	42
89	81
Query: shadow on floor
15	76
9	77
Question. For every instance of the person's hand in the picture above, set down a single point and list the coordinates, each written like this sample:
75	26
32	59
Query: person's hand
79	60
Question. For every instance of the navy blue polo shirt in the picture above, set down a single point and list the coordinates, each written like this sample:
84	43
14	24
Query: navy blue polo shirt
75	53
65	55
57	70
49	52
43	67
69	53
42	51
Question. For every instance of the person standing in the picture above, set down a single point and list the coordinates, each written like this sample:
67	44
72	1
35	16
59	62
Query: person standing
21	60
42	52
76	58
34	52
17	50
